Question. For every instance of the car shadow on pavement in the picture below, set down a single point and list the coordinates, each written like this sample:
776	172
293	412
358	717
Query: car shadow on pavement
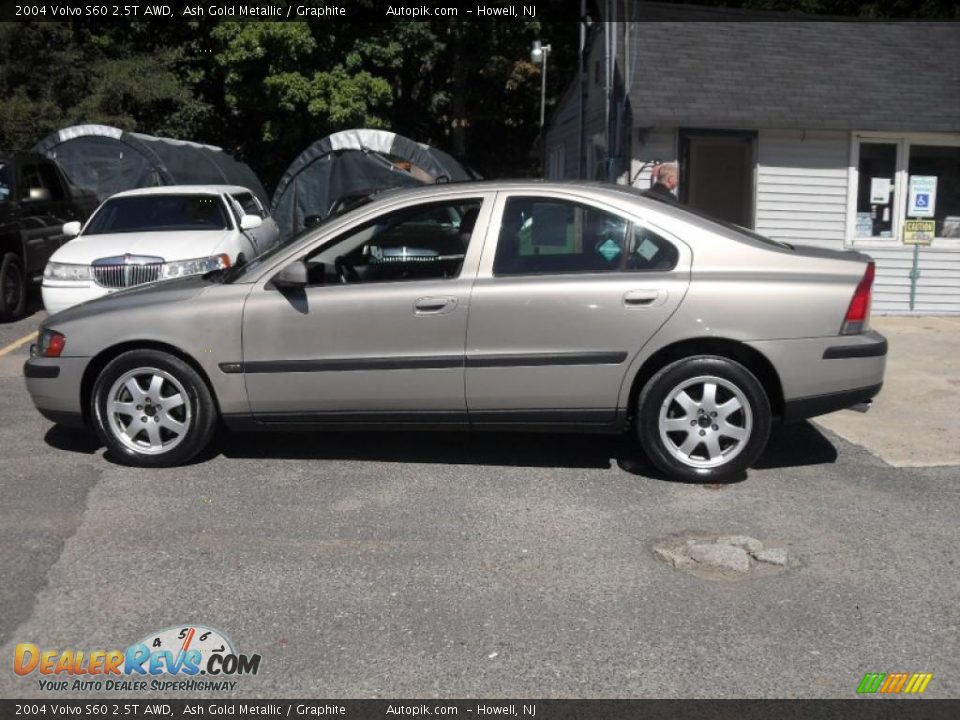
792	445
72	439
795	445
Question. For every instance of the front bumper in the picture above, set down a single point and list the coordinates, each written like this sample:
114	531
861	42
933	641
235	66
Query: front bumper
54	387
821	375
60	296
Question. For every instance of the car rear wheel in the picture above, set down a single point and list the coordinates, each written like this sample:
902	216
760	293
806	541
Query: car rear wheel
13	288
151	409
703	419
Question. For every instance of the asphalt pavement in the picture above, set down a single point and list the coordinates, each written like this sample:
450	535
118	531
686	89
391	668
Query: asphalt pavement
455	565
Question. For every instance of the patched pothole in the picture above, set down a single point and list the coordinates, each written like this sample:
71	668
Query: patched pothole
722	557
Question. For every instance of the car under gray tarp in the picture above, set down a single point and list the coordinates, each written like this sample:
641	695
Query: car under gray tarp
108	160
354	162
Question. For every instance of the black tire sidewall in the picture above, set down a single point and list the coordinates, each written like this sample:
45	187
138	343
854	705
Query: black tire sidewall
202	408
11	262
655	392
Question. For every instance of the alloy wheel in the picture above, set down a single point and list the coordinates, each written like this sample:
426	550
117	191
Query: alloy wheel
148	411
705	421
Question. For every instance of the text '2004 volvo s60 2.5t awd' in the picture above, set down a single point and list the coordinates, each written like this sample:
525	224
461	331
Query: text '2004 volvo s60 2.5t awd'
513	305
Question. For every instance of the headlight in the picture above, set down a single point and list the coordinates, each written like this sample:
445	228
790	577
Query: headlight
66	271
197	266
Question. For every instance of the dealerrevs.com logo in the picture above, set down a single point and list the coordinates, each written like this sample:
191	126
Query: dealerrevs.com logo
189	658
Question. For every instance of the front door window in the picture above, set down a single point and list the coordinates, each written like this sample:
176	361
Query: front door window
425	242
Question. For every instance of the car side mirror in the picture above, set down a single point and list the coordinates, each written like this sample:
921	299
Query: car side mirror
293	275
71	229
311	220
250	222
38	194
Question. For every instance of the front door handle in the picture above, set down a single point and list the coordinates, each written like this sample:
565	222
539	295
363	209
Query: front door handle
645	298
434	305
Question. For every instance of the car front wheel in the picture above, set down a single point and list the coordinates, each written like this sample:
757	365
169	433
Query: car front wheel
703	419
152	409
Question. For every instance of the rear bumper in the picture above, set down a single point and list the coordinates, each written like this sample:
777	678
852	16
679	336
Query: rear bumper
808	407
824	374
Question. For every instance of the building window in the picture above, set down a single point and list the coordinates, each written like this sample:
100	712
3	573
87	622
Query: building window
886	167
942	163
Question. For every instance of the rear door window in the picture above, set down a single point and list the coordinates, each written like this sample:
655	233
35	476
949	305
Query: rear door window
542	236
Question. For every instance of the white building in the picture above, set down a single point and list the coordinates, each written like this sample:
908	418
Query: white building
808	132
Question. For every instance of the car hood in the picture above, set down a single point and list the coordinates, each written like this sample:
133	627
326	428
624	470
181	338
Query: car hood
167	245
164	292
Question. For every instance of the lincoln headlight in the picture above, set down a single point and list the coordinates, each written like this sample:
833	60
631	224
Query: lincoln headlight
196	266
66	271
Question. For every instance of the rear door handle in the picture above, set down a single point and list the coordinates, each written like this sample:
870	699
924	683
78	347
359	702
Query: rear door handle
434	305
645	298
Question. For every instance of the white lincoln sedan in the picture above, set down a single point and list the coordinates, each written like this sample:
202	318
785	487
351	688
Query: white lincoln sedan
141	236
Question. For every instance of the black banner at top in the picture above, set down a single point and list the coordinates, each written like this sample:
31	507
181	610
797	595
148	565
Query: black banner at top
141	709
386	11
289	10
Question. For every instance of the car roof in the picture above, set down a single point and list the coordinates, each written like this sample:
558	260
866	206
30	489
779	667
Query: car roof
597	190
184	189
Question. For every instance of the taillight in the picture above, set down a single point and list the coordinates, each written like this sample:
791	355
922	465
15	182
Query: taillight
50	343
859	311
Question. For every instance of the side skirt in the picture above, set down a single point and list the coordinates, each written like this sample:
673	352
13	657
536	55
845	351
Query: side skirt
573	421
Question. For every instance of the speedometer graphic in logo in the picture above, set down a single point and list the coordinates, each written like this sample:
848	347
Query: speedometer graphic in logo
189	637
188	650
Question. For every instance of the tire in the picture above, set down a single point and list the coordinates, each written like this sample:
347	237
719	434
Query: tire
692	438
167	433
13	288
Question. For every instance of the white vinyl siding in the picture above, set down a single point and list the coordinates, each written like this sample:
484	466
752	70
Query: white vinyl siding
938	287
802	186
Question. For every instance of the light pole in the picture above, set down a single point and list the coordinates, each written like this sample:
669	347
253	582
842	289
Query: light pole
538	56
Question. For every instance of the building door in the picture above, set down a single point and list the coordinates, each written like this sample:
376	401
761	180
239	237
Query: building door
716	173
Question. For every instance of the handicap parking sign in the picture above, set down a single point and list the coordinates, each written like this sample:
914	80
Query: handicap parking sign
922	197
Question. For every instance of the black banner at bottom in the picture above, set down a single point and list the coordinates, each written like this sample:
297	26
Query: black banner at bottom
137	709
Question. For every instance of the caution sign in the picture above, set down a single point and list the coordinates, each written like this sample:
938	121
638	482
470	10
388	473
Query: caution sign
918	232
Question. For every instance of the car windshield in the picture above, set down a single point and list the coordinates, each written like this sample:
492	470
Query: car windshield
158	213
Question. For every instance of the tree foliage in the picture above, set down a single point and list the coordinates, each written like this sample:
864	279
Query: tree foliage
266	90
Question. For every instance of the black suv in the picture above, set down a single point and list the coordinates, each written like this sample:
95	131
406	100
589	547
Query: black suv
36	199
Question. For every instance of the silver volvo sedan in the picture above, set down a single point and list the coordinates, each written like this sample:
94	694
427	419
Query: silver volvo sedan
489	306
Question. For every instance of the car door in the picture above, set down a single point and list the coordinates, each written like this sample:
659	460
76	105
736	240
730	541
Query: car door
564	299
378	333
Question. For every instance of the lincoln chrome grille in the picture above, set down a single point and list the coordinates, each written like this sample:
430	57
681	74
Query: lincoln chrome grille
126	271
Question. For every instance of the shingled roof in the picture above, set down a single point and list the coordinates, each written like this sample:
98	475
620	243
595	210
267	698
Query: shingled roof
840	75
